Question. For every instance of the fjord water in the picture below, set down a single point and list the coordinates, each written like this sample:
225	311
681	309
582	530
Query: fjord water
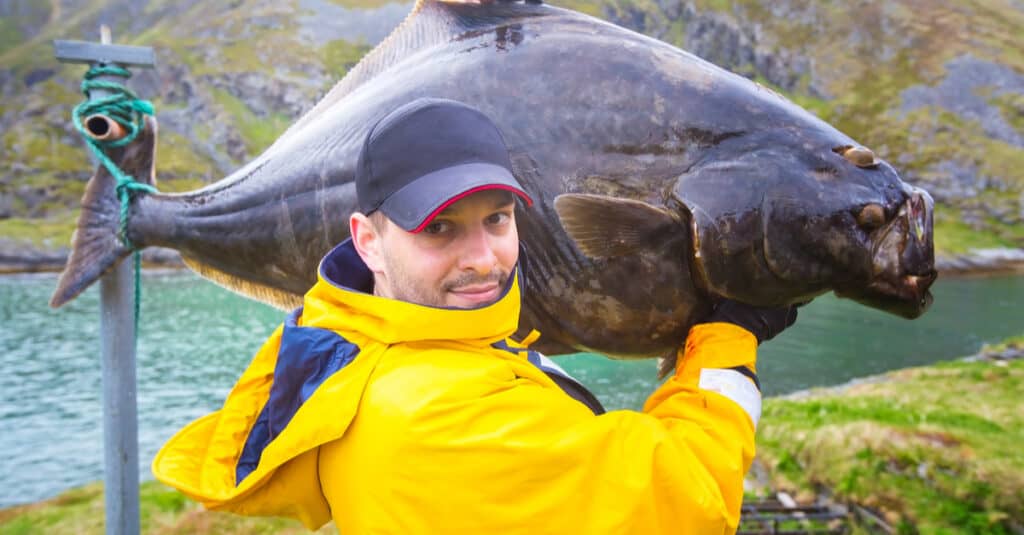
196	339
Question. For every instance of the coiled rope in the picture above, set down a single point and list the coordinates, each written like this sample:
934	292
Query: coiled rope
123	106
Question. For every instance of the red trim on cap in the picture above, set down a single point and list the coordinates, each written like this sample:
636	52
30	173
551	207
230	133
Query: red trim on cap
449	202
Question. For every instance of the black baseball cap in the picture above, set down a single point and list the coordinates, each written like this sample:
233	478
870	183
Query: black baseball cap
427	154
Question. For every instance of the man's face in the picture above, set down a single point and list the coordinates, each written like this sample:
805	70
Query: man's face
462	259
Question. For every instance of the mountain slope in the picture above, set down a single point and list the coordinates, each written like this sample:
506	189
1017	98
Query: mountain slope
938	90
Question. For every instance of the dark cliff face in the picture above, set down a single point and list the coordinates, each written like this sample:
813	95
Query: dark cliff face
937	91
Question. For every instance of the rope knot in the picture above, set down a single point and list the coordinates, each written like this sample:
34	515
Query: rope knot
121	105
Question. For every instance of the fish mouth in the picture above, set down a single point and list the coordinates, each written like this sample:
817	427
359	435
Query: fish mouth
907	296
903	261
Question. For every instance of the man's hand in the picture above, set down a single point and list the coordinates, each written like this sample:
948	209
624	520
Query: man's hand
763	322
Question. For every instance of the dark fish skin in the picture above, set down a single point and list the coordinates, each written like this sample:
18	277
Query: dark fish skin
741	193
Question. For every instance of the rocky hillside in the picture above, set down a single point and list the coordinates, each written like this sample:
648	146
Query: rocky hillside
936	88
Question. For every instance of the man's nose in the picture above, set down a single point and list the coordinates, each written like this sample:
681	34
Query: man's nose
478	252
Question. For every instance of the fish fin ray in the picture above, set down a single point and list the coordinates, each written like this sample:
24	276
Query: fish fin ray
431	22
274	297
96	246
413	33
605	227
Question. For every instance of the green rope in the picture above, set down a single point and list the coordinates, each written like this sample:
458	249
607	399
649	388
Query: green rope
123	106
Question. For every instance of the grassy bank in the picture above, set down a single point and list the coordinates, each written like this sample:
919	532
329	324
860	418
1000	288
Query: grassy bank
163	511
934	449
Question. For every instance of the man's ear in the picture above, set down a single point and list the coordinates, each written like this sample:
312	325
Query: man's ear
367	239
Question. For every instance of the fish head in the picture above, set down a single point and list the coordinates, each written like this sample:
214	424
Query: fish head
902	263
783	222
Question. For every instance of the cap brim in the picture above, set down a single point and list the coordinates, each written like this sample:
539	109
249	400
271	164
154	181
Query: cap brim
416	204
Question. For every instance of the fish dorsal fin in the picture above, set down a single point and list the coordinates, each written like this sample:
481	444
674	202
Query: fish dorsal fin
271	296
430	22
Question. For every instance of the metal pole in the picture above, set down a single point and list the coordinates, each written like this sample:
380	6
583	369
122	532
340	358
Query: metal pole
117	326
120	413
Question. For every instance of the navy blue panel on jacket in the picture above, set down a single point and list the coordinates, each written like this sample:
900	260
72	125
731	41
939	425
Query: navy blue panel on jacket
343	266
308	356
566	382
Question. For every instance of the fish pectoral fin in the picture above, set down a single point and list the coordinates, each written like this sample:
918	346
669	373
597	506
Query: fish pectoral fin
604	227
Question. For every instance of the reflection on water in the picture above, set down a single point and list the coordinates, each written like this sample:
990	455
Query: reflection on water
196	338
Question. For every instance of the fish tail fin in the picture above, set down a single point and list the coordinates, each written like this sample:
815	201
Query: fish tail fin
96	244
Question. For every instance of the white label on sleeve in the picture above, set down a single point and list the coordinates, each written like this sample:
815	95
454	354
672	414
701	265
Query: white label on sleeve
735	386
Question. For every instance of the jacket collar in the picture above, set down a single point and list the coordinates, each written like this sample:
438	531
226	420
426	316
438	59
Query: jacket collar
342	300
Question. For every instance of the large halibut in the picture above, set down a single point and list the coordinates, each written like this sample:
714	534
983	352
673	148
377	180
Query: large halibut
686	184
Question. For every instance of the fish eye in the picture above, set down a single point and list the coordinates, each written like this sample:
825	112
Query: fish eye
871	216
859	156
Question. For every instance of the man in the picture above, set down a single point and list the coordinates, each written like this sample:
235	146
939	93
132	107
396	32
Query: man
394	402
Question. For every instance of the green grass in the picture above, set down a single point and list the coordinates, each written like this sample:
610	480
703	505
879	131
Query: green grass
340	55
1012	107
162	510
365	4
936	448
27	52
178	159
817	106
953	236
43	145
589	7
42	149
10	34
716	5
47	233
180	185
239	57
258	132
1013	341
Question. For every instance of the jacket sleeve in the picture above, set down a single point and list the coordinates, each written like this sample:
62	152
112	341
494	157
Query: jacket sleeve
709	411
201	460
522	457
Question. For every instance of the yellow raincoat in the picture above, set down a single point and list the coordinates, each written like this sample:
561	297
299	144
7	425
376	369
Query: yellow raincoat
391	417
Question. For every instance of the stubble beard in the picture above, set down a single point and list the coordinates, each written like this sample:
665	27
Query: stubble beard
404	288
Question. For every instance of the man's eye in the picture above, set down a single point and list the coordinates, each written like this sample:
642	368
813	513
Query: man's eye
437	227
497	218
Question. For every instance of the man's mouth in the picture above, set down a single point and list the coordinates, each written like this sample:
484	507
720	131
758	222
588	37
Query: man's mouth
478	293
